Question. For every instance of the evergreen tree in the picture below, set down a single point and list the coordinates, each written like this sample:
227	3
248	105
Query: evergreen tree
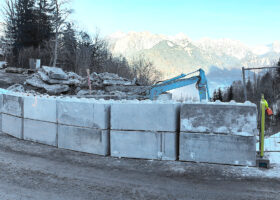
69	48
220	94
230	93
25	25
44	8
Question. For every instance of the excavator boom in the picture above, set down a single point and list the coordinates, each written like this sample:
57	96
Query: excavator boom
180	81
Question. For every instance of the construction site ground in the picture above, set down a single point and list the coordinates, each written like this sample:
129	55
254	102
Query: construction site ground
33	171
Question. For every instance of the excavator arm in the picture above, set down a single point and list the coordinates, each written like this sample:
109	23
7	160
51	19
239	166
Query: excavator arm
180	81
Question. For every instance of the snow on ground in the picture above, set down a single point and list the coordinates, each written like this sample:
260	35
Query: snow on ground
272	148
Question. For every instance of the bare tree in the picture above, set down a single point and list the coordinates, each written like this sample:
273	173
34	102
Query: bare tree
61	13
145	71
8	13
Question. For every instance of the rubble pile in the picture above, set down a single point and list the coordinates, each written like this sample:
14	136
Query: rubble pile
54	81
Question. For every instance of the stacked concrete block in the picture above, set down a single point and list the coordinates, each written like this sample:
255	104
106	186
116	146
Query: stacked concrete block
83	125
218	133
12	115
1	106
144	130
40	121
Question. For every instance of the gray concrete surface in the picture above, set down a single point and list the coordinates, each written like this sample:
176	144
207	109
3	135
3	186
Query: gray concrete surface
85	114
144	144
146	117
83	139
238	119
37	108
39	131
31	171
213	148
13	105
12	125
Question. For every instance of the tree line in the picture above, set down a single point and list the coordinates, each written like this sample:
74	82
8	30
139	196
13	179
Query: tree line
41	29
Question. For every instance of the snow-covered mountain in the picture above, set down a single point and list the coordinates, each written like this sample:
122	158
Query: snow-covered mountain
177	54
222	59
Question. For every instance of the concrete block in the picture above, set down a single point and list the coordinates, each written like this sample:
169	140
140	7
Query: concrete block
13	105
1	102
38	108
145	117
82	139
0	123
223	149
237	119
146	145
83	114
12	125
41	132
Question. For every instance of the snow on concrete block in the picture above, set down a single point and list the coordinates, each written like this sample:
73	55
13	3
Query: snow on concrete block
239	119
12	105
37	108
41	132
83	114
146	117
146	145
223	149
12	125
87	140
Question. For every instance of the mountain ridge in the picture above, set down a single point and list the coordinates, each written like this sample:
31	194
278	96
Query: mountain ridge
176	54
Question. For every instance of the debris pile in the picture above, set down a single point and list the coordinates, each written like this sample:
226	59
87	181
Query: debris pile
54	81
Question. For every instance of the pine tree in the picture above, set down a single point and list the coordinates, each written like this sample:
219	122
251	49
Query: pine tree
230	93
69	48
44	8
220	94
25	24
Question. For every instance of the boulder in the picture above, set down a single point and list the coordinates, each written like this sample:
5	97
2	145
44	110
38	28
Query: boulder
55	73
14	70
16	88
49	80
55	89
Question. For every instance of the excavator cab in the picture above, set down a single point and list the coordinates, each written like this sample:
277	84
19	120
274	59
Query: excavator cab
181	81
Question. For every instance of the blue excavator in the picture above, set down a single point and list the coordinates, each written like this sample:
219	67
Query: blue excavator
181	81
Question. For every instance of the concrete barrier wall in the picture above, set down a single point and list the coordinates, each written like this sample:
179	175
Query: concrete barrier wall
218	133
84	126
215	133
79	125
1	106
145	130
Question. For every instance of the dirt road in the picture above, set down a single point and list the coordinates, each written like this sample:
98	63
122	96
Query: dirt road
33	171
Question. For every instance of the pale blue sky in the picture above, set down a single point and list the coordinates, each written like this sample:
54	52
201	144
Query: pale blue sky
250	21
253	22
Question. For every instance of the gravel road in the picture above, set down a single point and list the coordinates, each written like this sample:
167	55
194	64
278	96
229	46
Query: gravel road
30	171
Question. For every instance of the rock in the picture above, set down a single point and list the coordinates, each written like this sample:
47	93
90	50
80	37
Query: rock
72	75
55	73
116	82
14	70
47	79
140	90
16	88
82	93
55	89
